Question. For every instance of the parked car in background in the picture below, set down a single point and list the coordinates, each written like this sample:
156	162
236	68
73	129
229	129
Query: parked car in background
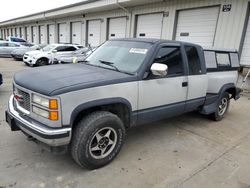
7	47
46	55
77	56
19	40
19	53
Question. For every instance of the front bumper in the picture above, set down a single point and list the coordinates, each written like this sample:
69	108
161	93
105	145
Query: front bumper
29	60
47	135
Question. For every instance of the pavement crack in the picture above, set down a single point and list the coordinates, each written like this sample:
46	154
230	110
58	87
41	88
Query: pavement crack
214	160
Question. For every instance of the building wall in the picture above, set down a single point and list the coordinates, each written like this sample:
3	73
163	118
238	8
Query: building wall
228	34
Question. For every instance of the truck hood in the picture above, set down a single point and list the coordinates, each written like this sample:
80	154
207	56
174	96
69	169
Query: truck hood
58	79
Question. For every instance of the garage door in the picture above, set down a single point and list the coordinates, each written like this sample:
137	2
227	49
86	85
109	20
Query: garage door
18	34
94	32
13	32
34	34
197	25
62	33
51	33
23	33
10	32
42	38
29	36
245	55
117	28
149	25
76	32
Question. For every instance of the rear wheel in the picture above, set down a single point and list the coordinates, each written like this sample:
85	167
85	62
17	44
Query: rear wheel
97	139
222	107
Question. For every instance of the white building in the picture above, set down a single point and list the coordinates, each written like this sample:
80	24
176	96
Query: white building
218	23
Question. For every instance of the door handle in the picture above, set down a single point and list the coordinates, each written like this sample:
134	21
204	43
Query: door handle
184	84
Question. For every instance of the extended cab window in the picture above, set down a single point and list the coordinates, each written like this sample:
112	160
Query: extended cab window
194	64
170	56
222	59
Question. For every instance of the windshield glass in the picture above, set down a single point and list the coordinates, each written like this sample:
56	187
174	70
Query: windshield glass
14	39
48	48
123	56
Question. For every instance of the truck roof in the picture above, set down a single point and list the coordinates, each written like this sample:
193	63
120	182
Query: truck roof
152	40
220	50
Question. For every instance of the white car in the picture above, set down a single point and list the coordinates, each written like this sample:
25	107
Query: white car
46	55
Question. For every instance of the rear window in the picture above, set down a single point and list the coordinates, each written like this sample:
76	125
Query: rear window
223	59
234	60
210	59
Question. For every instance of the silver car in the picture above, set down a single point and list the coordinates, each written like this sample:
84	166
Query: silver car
19	53
7	47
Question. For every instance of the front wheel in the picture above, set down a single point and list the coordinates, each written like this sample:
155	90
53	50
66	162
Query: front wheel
97	139
222	107
42	62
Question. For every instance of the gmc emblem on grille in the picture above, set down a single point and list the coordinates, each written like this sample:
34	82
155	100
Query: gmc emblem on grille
18	97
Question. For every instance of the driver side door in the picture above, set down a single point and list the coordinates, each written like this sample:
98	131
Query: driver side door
161	97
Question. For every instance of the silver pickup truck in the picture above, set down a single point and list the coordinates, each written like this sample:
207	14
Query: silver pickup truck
86	108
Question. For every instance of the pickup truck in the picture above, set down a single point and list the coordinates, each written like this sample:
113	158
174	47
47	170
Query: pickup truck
86	108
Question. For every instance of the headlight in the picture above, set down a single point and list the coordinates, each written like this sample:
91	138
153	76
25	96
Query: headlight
41	100
48	103
40	112
51	115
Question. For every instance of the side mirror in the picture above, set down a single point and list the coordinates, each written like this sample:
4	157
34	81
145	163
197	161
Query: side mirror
54	51
159	69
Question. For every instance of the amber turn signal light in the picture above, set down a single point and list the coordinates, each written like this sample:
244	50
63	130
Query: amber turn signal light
53	104
53	116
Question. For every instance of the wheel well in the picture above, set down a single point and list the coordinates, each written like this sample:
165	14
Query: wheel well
231	91
45	58
119	109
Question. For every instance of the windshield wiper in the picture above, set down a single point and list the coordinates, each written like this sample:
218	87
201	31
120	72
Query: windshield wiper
109	64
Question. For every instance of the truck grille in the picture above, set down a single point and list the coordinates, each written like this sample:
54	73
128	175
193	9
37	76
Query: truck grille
26	100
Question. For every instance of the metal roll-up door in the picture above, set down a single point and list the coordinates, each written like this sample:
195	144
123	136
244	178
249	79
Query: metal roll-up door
42	38
23	33
117	27
18	34
197	25
62	33
34	34
149	25
51	32
29	35
245	55
76	32
13	32
94	32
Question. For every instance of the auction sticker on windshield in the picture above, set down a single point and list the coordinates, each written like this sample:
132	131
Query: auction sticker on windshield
138	50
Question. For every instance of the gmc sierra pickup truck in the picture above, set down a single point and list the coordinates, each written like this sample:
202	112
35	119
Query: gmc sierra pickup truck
86	108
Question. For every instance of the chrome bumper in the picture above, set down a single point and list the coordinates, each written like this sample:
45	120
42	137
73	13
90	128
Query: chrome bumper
41	132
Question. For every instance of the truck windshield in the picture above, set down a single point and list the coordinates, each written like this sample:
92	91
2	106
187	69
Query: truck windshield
122	56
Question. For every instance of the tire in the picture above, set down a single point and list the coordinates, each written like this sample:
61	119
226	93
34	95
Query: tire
42	62
222	108
97	139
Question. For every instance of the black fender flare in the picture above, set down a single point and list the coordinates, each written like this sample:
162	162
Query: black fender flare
99	102
211	108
